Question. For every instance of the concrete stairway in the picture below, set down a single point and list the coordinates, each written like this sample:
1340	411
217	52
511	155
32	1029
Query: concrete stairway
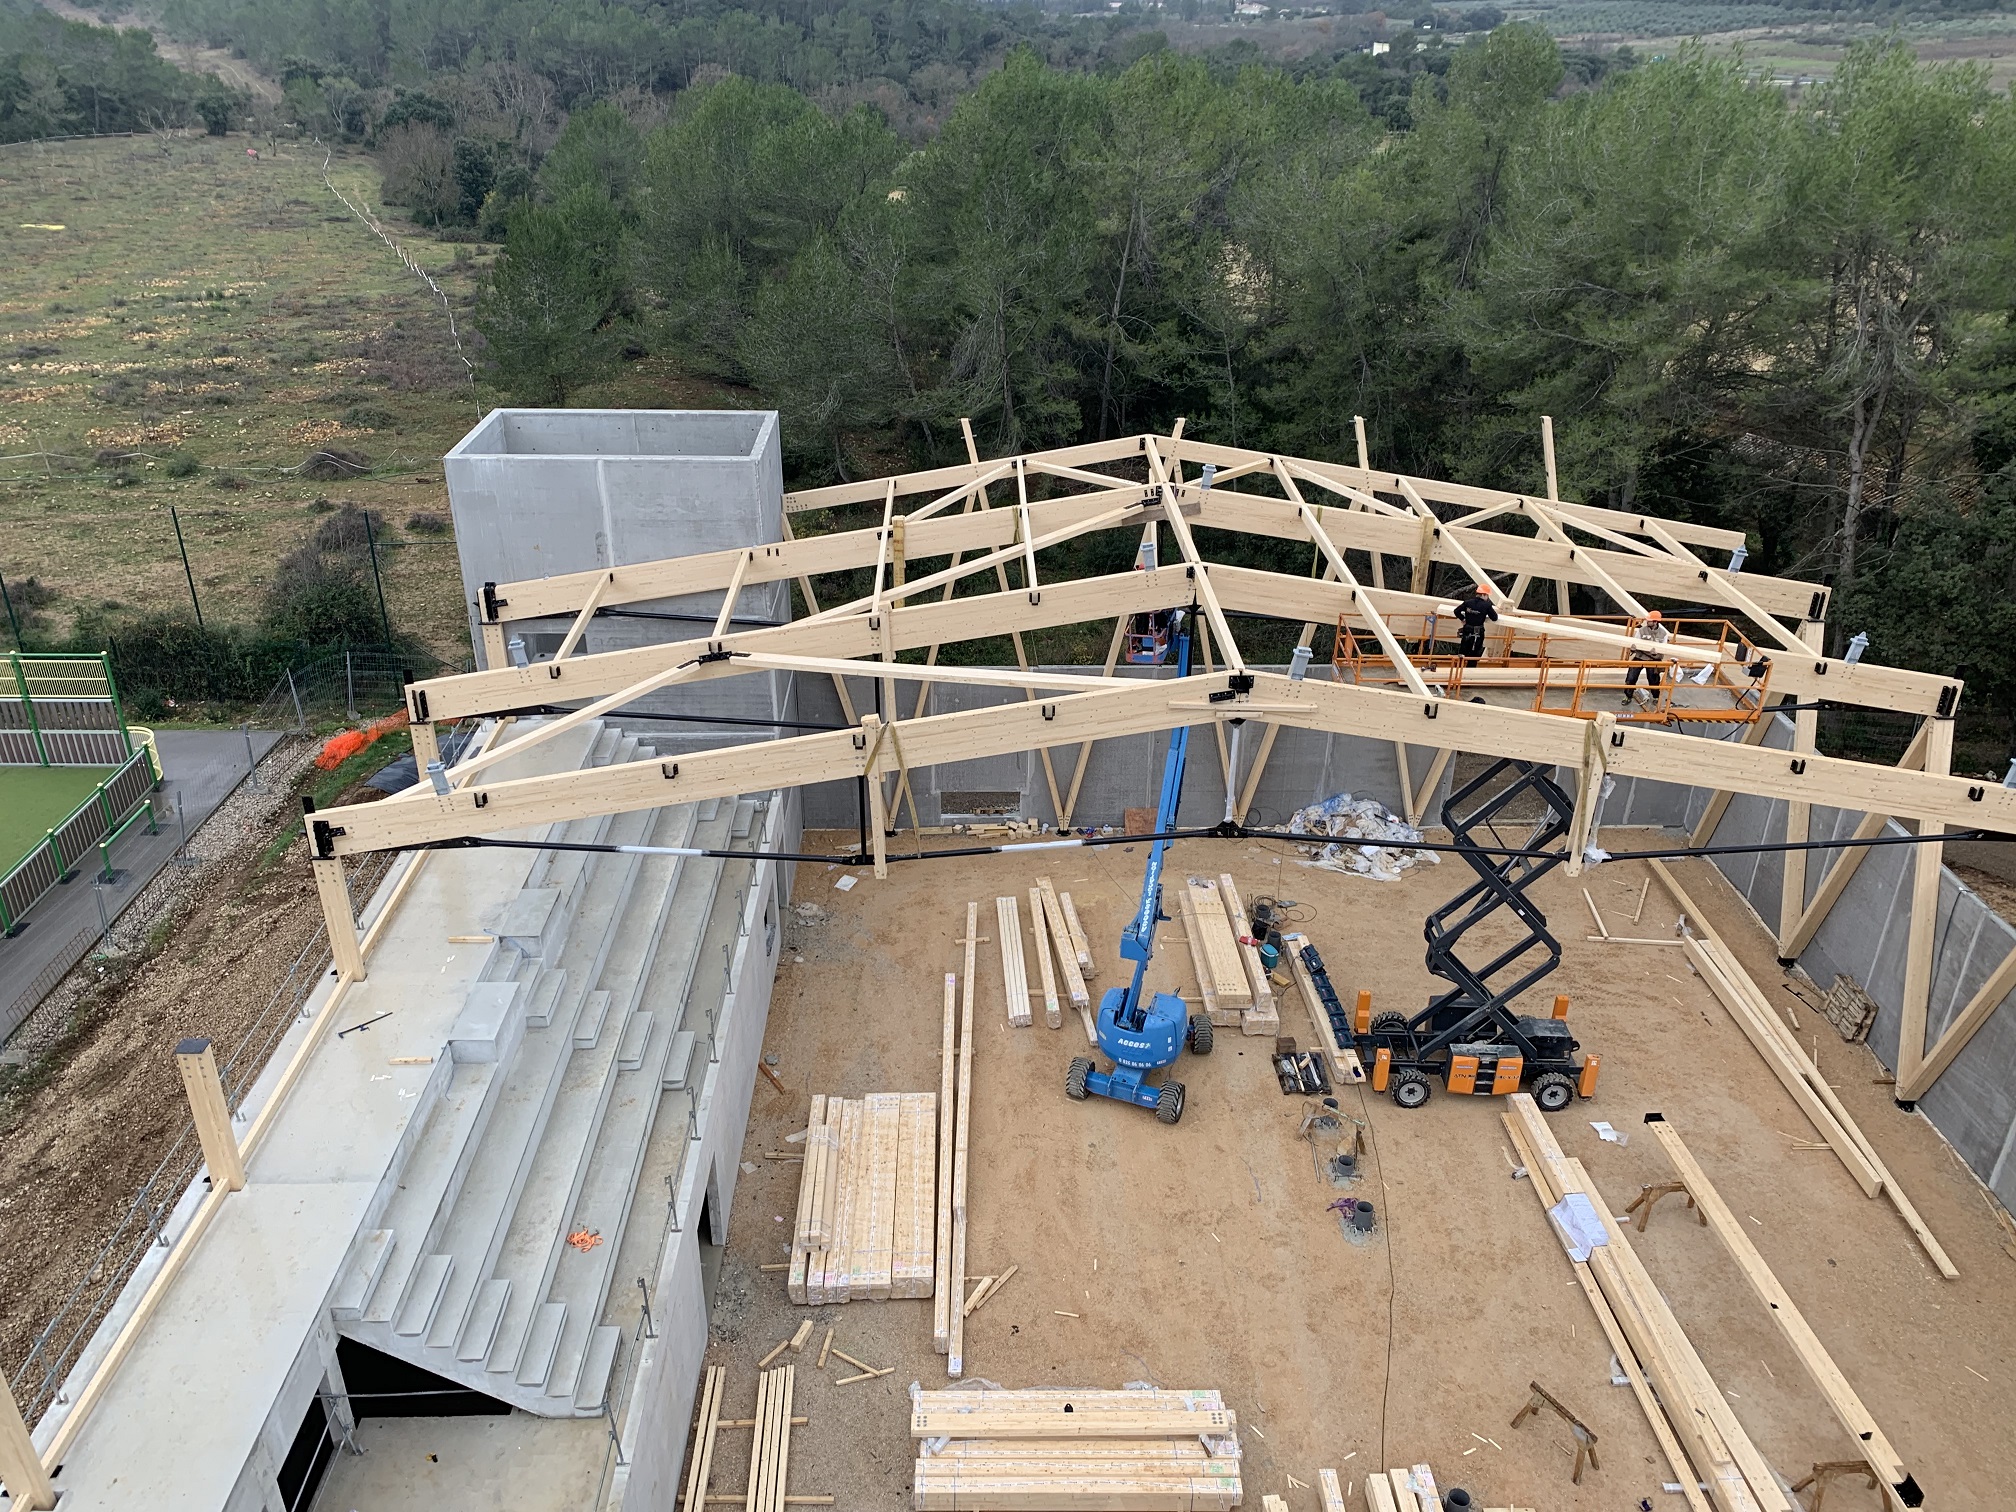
537	1121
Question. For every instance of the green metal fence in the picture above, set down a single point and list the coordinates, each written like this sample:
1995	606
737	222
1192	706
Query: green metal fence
58	710
114	806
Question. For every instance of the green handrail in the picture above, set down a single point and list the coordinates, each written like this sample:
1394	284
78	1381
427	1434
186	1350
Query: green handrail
145	811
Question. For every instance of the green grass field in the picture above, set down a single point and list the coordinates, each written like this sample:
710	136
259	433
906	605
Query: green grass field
33	798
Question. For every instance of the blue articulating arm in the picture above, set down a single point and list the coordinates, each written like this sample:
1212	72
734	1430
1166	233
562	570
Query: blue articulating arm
1138	1033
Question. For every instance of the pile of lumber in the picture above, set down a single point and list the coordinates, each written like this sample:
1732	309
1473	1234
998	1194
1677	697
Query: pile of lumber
1400	1490
1230	978
1690	1417
1059	1449
1056	924
867	1199
769	1455
1754	1015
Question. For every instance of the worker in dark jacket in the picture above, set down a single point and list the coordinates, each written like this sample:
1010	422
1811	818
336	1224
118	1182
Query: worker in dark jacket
1474	611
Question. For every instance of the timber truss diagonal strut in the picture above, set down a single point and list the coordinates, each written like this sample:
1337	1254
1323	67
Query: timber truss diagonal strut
1182	498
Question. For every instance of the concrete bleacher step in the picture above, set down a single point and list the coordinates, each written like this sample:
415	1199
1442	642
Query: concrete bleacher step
552	1177
588	1027
679	1059
437	1161
474	1229
545	993
484	1315
429	1281
630	1051
593	1389
365	1265
540	1343
609	1180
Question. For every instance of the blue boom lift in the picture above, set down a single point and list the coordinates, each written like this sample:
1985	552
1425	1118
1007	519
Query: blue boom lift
1138	1034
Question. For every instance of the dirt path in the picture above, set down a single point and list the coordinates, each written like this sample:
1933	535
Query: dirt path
1205	1256
188	56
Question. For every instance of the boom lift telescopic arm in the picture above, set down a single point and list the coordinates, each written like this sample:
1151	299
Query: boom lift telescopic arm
1137	940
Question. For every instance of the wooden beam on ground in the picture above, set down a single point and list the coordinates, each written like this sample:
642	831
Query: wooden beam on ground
700	1458
1053	1011
945	1286
1980	1008
955	1350
1627	1359
1816	1097
1870	1440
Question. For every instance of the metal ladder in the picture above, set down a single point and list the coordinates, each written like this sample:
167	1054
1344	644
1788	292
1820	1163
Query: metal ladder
1502	883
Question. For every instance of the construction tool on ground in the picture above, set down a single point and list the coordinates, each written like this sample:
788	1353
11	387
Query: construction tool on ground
1137	1033
1470	1038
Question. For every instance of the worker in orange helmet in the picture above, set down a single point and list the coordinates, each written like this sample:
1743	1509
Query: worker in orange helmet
1474	611
1650	631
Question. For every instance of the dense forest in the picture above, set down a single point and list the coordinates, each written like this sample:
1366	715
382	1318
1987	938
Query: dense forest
69	78
1791	318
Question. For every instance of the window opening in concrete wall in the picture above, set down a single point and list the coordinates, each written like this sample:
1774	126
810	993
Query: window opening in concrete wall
710	1250
981	805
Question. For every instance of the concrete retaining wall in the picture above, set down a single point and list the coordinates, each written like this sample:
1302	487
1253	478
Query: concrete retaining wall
1974	1103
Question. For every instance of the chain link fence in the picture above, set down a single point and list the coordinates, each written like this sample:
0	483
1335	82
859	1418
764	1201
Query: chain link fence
344	687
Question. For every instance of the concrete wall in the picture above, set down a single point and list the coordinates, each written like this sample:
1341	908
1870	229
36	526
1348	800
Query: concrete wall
1125	772
540	492
1974	1103
667	1376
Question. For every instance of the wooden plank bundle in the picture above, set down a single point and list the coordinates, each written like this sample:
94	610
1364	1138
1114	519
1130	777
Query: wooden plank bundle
1057	1450
1014	969
1081	946
1870	1440
867	1197
1699	1416
1067	956
1221	975
1738	992
1053	1011
770	1459
1263	1016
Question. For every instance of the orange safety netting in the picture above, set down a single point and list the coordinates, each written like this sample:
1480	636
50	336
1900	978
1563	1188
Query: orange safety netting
342	746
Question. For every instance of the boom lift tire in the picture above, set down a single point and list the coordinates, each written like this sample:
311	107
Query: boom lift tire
1553	1091
1388	1023
1074	1079
1411	1089
1169	1104
1200	1034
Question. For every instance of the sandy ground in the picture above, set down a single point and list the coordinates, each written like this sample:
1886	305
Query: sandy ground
1204	1255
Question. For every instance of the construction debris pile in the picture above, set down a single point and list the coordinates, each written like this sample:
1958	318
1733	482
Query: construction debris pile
867	1199
984	1447
1368	840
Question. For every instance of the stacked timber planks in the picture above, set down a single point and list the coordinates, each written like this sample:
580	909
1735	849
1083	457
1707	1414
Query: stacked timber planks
867	1200
1053	1449
770	1458
1014	968
1261	1016
1069	962
1053	1010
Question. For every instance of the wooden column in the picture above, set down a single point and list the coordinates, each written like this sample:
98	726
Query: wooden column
1798	816
426	746
20	1466
1927	857
198	1065
494	653
340	917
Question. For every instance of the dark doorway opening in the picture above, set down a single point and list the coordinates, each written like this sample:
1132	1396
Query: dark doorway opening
381	1385
301	1472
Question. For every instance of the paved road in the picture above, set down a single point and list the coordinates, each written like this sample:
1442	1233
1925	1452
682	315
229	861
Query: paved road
202	768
